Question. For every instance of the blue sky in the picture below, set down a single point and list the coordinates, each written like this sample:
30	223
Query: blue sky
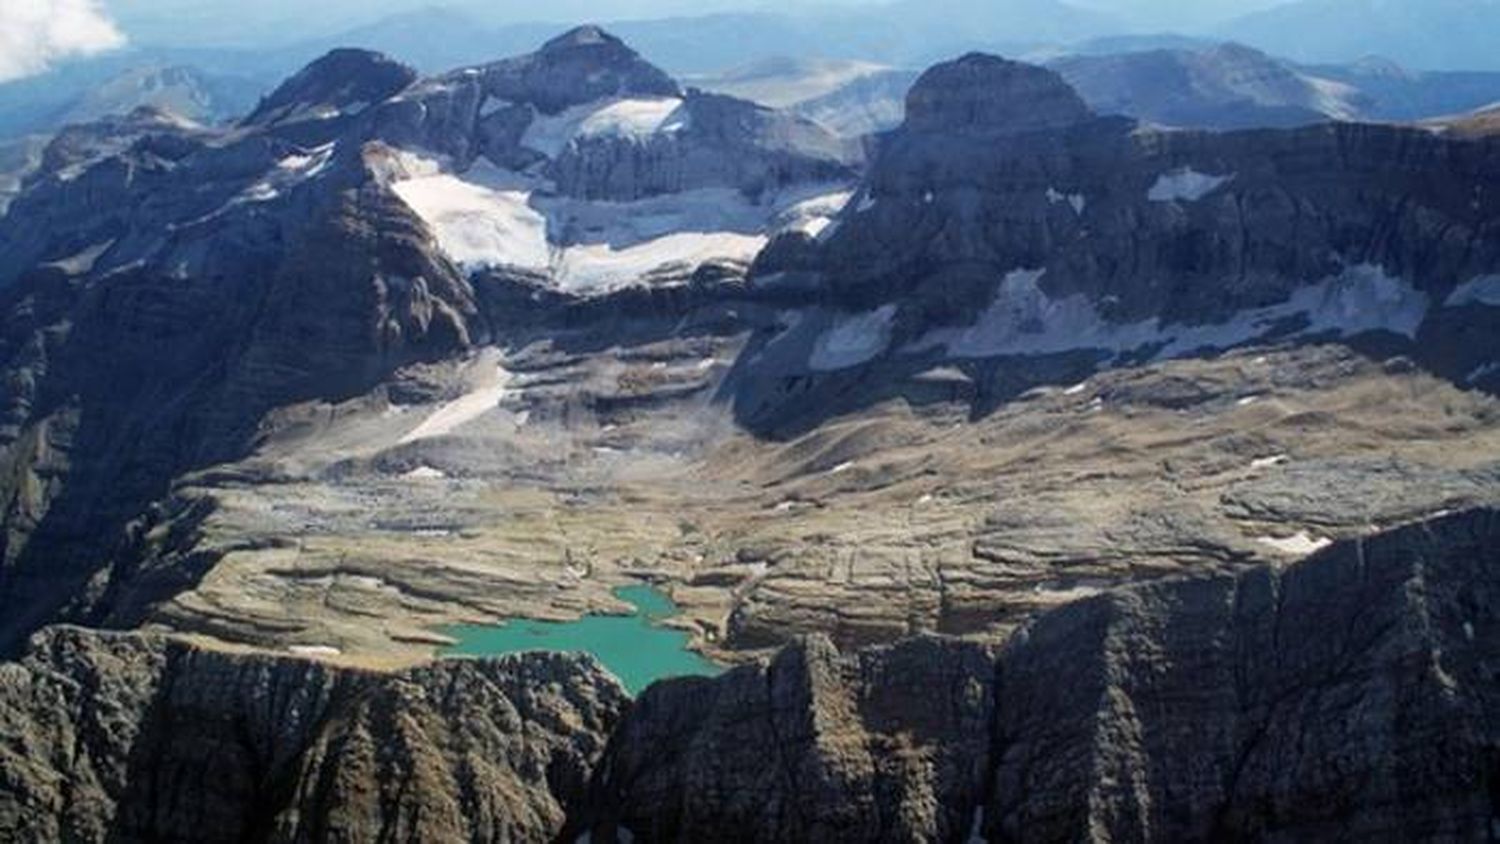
36	34
158	20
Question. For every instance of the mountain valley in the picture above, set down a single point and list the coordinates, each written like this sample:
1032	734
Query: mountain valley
904	423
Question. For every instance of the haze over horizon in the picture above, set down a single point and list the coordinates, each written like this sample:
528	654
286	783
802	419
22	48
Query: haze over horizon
37	34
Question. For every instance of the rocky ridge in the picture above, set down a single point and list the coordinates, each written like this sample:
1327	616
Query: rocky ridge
137	738
1346	696
1343	696
979	236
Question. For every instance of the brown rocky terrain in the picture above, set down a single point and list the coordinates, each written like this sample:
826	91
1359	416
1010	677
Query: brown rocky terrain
900	519
1345	696
139	738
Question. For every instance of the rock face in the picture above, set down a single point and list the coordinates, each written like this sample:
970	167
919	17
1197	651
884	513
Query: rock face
883	745
342	79
1346	697
160	292
130	738
163	287
1004	222
592	116
985	94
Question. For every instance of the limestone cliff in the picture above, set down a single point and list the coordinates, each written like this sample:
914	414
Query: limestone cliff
1348	697
135	738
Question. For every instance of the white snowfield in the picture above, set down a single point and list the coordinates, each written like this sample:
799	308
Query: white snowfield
1024	320
815	217
1185	185
483	219
620	118
488	217
596	268
490	388
1077	200
1296	545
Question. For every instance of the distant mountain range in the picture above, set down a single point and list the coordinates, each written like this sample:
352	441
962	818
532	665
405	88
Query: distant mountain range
1173	81
1430	34
1170	78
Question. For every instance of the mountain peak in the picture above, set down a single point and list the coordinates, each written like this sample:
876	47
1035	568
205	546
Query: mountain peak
340	78
581	65
588	35
984	93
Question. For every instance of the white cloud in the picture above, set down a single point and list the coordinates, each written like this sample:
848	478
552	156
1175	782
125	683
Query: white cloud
36	33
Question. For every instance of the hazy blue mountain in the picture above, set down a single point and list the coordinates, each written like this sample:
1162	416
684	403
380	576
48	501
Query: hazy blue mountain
1203	85
1430	34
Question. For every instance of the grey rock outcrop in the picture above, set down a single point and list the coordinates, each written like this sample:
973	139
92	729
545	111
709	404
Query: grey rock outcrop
136	738
342	79
1348	697
882	745
1003	221
159	293
987	94
581	65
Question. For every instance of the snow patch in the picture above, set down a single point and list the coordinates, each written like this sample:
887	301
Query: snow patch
1484	290
462	410
1077	200
314	650
82	263
1185	185
310	164
853	340
424	473
600	267
482	219
1024	320
814	217
488	217
1268	462
631	118
1298	544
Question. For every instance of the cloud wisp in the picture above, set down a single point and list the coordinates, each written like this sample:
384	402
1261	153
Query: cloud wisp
36	33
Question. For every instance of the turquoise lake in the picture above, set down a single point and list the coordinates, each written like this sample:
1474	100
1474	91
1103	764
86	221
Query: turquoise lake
636	648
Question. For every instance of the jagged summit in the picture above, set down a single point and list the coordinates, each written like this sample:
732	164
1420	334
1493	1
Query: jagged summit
581	65
341	79
985	93
588	35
